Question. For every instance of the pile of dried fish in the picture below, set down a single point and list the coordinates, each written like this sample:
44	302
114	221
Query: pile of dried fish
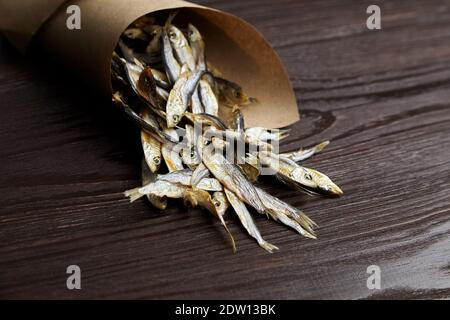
163	82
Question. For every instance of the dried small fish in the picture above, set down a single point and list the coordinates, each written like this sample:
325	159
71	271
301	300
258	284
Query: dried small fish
231	94
181	47
159	188
189	153
247	221
171	153
148	177
208	98
150	145
180	95
171	64
198	47
308	180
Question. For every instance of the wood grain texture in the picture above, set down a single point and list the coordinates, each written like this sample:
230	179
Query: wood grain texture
381	97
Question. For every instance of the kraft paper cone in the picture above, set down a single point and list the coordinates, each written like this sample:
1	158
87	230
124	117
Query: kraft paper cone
235	47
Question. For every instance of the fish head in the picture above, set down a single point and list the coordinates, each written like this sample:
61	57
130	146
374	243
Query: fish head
315	181
155	163
193	34
220	202
176	37
154	30
236	96
173	118
325	185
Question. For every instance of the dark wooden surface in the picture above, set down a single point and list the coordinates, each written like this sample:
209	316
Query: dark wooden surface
381	97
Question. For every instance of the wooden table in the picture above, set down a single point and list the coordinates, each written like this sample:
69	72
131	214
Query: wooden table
381	96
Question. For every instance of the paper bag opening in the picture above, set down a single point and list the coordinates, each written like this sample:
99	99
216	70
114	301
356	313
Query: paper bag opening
233	45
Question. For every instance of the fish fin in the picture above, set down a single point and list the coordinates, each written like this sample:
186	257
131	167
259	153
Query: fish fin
133	194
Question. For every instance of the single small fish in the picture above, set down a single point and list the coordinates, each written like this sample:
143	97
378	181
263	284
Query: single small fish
198	46
208	98
232	178
231	94
158	188
180	95
304	154
308	180
148	177
151	146
171	64
181	47
171	153
247	221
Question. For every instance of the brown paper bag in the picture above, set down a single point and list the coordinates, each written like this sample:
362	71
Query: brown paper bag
234	46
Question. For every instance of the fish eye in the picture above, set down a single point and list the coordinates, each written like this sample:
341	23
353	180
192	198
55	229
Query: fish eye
308	176
175	117
192	153
157	160
217	203
237	94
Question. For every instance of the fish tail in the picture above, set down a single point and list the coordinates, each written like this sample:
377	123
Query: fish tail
321	146
282	135
268	246
133	194
233	243
307	224
170	18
